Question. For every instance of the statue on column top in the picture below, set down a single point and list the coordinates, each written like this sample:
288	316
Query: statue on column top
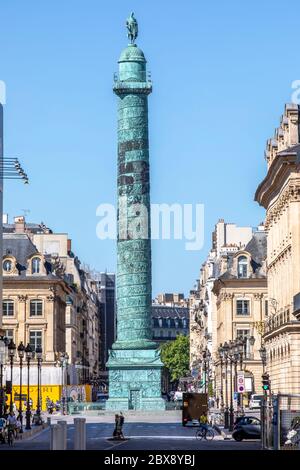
132	28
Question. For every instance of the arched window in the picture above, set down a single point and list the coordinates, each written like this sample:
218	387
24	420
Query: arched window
7	265
35	265
242	267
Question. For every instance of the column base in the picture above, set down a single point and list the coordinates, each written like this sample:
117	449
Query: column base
134	380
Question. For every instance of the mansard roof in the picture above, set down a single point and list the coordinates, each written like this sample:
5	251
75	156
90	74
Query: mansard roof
257	250
20	246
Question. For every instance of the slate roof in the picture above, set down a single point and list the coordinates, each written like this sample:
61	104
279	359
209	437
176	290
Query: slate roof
18	245
21	247
257	248
171	317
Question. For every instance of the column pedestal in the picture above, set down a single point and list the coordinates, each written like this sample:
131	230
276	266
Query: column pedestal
134	380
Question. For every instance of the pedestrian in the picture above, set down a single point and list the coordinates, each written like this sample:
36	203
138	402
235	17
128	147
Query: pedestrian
122	419
116	426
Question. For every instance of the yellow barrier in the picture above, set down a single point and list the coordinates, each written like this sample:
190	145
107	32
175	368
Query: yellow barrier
53	392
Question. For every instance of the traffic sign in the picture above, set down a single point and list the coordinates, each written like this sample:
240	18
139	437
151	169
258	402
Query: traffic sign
240	382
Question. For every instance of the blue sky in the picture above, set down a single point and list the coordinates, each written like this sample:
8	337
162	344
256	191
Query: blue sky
222	72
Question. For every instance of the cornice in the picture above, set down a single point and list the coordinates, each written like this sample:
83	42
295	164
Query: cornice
277	174
290	193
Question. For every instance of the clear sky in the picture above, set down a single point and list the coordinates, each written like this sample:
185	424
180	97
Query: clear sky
222	72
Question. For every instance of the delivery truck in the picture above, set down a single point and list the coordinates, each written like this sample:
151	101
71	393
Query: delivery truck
193	406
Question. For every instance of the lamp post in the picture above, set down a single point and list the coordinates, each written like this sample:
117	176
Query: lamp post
11	353
221	356
39	356
240	342
231	409
29	356
21	352
3	356
263	356
226	414
63	361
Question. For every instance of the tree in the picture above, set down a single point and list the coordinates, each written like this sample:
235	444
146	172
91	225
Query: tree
175	356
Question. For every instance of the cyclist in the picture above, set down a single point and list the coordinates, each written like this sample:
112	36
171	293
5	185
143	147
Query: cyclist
2	429
203	422
12	423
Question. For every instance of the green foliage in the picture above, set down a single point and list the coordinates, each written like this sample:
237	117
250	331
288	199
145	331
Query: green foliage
210	389
176	356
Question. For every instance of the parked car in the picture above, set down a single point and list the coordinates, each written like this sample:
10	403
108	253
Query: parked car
248	427
102	397
255	401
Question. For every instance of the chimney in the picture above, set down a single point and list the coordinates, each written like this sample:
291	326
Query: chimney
69	245
5	218
19	224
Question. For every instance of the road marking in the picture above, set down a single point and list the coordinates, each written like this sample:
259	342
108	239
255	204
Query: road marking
217	438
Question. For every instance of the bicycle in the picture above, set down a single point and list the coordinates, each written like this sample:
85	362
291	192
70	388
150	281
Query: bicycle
205	433
11	436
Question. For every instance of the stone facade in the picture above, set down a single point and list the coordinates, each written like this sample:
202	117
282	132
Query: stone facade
279	194
227	239
49	300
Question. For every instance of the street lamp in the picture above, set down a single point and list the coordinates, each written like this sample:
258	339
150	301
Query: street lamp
63	361
3	356
231	409
11	353
263	355
221	357
21	353
39	356
29	356
226	414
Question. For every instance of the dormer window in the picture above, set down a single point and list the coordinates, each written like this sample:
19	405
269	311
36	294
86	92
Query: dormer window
242	267
35	265
7	265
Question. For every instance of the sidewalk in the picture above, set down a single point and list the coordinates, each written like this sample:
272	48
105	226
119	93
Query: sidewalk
28	433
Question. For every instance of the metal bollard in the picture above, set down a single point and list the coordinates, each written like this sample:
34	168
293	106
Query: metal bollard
79	434
63	431
49	421
55	437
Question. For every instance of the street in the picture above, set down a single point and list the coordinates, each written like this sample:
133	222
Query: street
140	435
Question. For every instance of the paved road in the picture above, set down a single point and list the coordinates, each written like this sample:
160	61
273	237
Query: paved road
141	436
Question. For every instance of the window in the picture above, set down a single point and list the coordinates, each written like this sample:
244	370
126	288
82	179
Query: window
266	308
242	267
8	308
35	339
36	308
35	265
244	334
7	265
9	334
242	307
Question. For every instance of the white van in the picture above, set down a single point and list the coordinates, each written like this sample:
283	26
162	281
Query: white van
255	401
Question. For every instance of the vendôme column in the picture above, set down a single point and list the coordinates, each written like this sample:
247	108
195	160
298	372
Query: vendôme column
134	362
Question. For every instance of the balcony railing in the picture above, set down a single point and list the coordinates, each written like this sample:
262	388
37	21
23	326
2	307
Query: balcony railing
275	321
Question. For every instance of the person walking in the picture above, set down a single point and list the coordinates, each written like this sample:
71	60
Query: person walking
122	419
115	435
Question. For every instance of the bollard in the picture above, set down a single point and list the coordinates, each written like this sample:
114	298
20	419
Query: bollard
49	421
79	434
55	437
63	431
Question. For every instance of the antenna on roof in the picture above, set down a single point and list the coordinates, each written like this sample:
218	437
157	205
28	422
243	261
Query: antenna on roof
26	212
